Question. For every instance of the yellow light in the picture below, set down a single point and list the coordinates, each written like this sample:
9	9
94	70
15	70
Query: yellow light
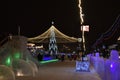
19	73
81	14
58	34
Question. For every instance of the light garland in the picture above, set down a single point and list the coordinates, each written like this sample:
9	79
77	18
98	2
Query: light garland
60	37
81	14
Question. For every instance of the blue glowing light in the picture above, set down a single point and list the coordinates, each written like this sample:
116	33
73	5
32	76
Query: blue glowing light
82	66
48	61
47	58
111	65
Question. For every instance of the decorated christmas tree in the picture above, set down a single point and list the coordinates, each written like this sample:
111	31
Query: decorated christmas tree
53	50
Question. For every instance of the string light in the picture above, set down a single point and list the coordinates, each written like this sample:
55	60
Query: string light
81	14
109	33
60	37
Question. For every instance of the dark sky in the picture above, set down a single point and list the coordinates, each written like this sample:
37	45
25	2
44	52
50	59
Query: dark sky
35	16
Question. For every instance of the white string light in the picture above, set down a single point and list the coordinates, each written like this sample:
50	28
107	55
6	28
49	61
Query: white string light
60	37
82	21
81	14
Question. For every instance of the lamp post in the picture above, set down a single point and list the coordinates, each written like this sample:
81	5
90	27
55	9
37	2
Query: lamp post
82	28
82	65
83	40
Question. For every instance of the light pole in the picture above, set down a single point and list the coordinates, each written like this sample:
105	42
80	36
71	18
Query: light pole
82	65
82	28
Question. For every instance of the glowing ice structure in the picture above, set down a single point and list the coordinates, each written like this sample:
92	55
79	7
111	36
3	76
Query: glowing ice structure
23	68
114	55
15	49
6	73
108	69
34	67
14	54
82	65
97	54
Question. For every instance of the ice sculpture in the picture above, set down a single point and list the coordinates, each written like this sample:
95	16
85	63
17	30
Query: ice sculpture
114	55
22	68
6	73
34	67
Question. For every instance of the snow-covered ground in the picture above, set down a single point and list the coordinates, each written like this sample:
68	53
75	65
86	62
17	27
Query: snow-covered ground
62	71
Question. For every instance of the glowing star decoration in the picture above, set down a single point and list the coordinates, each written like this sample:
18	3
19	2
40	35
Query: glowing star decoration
81	14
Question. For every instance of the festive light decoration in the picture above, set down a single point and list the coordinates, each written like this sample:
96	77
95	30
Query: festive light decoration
83	28
53	60
60	37
81	14
52	44
30	44
47	58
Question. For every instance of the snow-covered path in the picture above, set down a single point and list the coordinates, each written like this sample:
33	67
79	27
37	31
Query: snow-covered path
62	71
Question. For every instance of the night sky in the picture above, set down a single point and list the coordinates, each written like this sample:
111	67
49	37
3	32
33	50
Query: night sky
35	16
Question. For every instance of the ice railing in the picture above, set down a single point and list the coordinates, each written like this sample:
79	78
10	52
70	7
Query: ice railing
108	69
